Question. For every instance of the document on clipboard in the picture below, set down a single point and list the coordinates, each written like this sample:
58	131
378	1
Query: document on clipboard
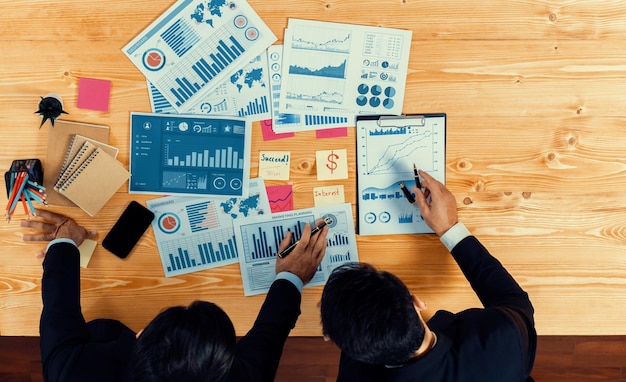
387	148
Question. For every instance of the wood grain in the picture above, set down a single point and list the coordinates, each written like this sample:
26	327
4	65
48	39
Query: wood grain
536	152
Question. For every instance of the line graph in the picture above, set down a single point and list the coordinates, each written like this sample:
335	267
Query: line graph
387	149
404	146
326	40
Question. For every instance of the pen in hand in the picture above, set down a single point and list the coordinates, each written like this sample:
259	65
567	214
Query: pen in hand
407	193
417	177
315	230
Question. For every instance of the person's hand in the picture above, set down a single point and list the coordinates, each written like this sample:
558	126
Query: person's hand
55	226
306	256
440	213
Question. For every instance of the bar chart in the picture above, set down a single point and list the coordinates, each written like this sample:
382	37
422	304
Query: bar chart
337	239
254	107
225	158
202	65
258	240
180	37
261	241
202	216
199	252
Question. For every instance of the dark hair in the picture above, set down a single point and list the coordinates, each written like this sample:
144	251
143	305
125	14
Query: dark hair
370	315
194	343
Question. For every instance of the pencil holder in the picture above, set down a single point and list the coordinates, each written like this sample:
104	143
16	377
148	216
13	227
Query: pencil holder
32	167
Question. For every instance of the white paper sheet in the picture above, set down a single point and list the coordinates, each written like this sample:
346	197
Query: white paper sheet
258	239
343	69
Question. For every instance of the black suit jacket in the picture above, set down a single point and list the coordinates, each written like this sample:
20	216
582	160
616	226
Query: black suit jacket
496	343
73	350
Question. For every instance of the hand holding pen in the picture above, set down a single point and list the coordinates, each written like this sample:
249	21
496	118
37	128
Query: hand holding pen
418	186
307	253
440	210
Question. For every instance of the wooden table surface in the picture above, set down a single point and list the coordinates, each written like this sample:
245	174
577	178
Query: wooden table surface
535	93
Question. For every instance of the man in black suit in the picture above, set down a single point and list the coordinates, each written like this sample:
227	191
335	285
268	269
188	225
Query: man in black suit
377	322
194	343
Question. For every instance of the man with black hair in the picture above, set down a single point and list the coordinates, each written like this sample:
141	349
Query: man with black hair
377	323
193	343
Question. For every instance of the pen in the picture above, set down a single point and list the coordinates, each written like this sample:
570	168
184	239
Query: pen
407	193
417	177
315	230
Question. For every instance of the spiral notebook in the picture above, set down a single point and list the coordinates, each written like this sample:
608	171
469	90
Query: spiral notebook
76	146
95	181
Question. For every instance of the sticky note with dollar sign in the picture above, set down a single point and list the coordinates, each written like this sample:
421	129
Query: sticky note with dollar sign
332	164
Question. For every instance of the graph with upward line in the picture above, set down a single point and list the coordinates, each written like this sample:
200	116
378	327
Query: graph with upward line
388	148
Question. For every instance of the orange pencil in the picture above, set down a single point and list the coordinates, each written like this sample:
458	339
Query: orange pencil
13	192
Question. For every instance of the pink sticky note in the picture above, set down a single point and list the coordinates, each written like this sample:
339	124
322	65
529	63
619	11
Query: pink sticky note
93	94
280	197
269	134
332	133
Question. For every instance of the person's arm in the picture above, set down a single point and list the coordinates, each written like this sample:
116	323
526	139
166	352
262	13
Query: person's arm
258	352
62	326
493	285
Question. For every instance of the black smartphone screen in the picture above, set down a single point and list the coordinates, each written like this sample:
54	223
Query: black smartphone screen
128	229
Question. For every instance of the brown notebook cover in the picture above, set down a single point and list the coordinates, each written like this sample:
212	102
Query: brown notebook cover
96	180
59	139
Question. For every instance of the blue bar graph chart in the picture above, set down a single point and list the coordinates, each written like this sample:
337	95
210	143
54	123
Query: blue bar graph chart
206	65
261	241
340	257
188	156
314	120
209	250
202	216
257	106
180	37
376	194
337	239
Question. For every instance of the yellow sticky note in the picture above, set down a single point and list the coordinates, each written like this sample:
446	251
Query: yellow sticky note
332	164
86	250
323	196
274	165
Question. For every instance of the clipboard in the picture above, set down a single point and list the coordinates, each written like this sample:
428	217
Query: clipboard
387	148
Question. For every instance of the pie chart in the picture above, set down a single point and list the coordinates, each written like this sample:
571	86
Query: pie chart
153	59
169	222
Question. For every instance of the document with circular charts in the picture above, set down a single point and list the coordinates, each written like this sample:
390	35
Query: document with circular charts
181	154
195	45
387	150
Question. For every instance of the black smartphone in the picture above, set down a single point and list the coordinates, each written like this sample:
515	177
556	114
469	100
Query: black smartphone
128	229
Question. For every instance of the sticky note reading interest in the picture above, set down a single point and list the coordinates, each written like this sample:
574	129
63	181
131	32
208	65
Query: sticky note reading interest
274	165
323	196
93	94
332	164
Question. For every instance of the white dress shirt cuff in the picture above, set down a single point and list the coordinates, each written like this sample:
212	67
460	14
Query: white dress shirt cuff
292	278
60	240
454	235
